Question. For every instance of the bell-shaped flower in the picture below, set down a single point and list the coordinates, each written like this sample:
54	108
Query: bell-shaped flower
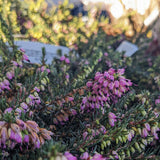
69	156
147	126
144	132
26	139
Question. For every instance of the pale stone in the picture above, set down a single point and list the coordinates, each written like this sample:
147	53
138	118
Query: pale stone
128	48
34	50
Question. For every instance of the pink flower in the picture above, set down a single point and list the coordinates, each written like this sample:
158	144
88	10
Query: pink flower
157	101
105	83
106	54
85	135
26	139
116	83
21	124
85	156
62	58
43	68
30	113
112	115
2	123
123	82
103	129
18	137
144	132
70	98
154	131
147	126
48	70
11	134
89	84
10	75
67	76
112	118
99	60
8	110
25	57
67	60
111	122
37	89
6	82
22	50
84	100
37	144
15	63
129	137
101	79
86	62
2	86
18	110
111	71
24	106
98	156
121	71
111	85
115	154
69	156
97	76
74	112
4	135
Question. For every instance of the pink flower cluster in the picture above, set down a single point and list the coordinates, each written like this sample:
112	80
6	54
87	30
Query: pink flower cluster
94	132
63	58
64	117
146	131
4	85
106	88
42	69
10	74
22	133
112	118
84	156
69	156
157	101
97	156
33	99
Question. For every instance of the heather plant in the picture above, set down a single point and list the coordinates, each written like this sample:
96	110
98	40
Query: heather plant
18	100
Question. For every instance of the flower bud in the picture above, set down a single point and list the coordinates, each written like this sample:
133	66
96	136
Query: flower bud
128	153
81	150
144	141
144	132
137	146
143	112
120	138
102	146
132	150
42	87
143	100
117	140
108	143
147	126
139	131
142	146
124	139
104	143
